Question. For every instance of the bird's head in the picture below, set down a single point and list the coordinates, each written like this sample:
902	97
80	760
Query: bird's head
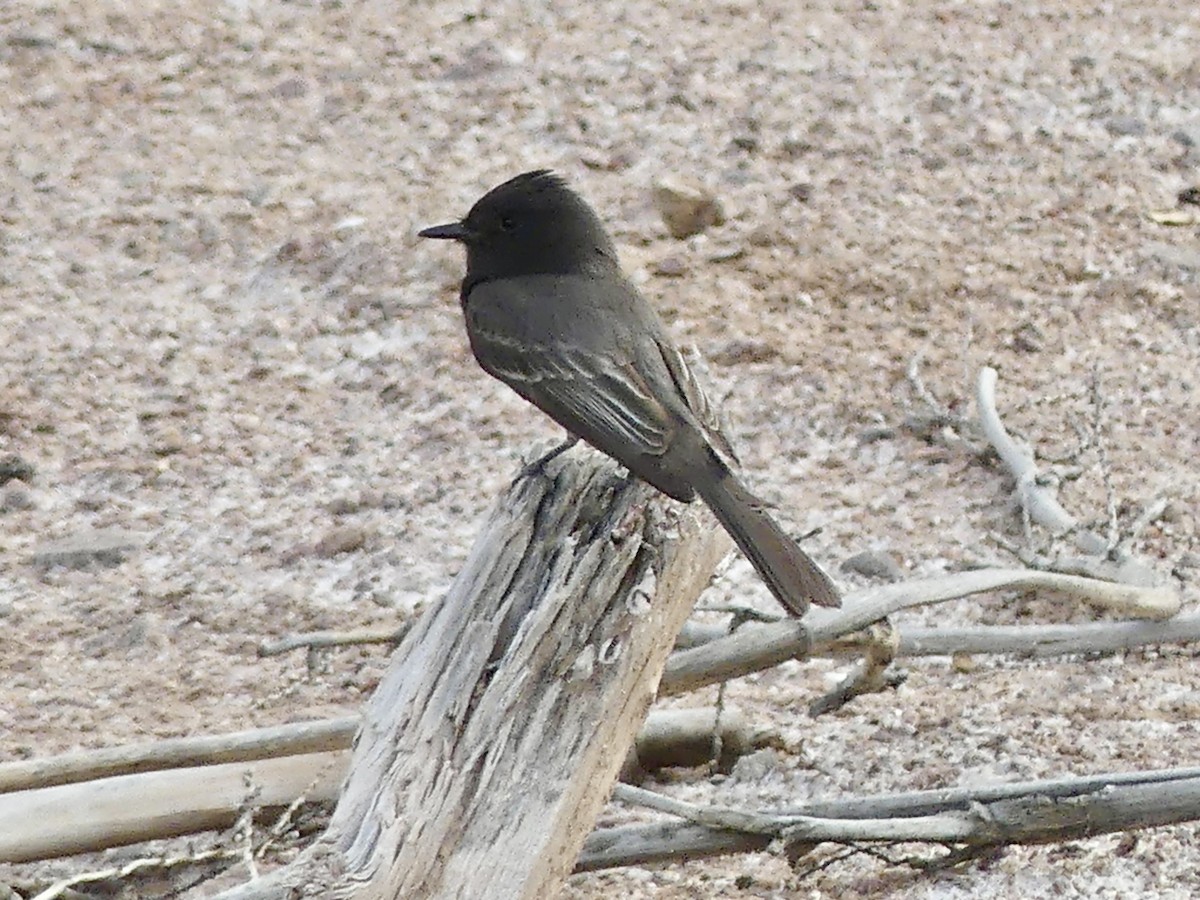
530	225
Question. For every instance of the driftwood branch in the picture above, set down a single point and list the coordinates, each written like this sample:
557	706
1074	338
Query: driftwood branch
1036	499
1104	557
683	738
1030	819
104	799
1048	640
757	646
128	809
176	753
553	637
121	809
1028	812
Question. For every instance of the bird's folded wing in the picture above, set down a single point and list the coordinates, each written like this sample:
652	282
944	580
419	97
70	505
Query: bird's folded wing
605	402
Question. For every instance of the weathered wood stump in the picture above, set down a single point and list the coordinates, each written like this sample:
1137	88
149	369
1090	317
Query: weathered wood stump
498	731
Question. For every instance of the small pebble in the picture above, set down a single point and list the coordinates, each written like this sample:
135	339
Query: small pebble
874	564
671	267
106	547
963	662
1125	126
341	539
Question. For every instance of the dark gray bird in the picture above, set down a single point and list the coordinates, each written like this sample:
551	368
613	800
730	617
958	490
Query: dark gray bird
550	314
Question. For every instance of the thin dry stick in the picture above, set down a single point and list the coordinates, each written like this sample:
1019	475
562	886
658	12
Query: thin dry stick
942	828
1099	402
134	867
1042	506
1105	558
317	640
1048	640
711	816
177	753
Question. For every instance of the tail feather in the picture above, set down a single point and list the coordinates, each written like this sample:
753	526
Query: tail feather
794	579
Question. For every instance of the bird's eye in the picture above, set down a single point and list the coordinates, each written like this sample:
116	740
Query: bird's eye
507	223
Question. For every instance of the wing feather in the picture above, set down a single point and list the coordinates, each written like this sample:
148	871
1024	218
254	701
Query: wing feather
601	400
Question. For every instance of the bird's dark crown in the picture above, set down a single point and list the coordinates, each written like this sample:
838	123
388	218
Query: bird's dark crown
537	180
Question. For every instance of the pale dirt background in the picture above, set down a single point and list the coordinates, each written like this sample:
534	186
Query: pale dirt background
219	332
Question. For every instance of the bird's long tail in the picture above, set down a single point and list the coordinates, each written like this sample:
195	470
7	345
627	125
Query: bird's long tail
794	579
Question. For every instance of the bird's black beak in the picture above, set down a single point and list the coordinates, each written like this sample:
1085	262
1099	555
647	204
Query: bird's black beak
455	231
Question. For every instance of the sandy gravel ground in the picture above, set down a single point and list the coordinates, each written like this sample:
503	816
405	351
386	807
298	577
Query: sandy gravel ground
221	339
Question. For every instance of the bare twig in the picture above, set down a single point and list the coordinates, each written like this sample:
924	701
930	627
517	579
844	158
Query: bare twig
1113	537
315	640
243	829
936	417
1040	504
870	674
135	867
917	383
1150	514
284	823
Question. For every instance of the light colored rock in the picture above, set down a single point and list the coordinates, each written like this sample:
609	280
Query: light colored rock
686	208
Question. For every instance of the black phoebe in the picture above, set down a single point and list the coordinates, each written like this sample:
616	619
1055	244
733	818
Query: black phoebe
550	314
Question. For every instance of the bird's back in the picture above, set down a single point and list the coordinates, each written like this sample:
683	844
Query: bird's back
592	355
